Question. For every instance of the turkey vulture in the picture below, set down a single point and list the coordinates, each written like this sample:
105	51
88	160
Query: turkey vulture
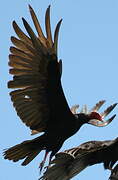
71	162
39	98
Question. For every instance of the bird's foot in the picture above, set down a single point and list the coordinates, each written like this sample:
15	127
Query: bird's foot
41	166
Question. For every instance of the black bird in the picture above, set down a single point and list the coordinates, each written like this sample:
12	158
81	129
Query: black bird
39	98
71	162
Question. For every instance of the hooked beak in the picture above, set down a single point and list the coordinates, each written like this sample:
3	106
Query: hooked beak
96	122
100	122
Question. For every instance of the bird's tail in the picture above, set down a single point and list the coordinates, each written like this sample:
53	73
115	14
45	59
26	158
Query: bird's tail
27	150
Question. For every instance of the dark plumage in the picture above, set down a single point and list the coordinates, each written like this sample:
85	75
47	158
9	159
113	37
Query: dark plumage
114	173
71	162
39	98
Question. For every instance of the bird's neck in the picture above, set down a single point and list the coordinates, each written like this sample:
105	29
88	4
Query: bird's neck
81	119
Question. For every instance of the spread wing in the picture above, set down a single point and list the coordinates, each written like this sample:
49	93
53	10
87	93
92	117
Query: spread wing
29	60
71	162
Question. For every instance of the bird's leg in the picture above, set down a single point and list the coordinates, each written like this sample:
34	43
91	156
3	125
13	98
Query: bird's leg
43	162
50	158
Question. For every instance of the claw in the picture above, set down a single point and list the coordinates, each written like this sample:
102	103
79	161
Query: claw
108	110
98	106
43	162
41	166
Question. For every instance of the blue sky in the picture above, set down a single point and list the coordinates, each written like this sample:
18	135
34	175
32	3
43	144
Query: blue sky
88	46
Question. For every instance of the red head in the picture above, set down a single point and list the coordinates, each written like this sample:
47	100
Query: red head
95	115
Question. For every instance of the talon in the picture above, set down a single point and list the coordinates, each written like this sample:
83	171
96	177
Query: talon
43	162
46	167
41	166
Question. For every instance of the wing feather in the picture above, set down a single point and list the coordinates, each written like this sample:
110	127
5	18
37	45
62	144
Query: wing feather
28	60
37	25
71	162
21	34
48	27
56	35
